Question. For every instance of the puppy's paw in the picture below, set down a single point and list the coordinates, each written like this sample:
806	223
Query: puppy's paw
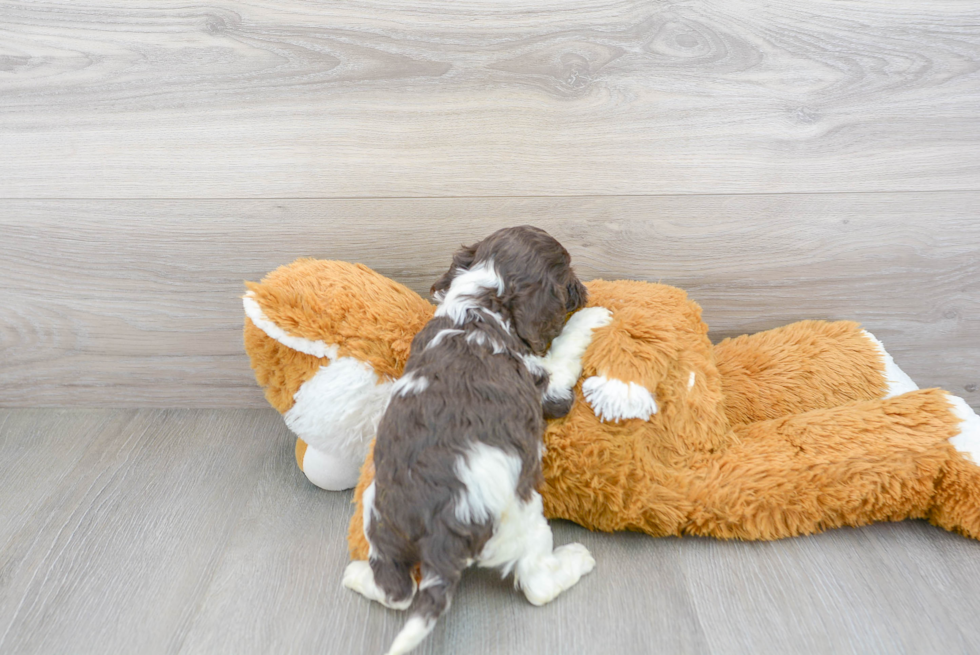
540	590
359	577
590	318
564	360
557	572
576	561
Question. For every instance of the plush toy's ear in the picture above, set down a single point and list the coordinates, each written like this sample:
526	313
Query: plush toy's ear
462	259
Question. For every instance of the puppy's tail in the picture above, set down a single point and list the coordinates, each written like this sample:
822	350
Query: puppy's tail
433	599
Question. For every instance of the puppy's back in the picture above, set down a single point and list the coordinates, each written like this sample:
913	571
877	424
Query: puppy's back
457	395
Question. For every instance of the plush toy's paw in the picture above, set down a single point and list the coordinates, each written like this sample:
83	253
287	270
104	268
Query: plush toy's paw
332	472
556	572
968	439
615	400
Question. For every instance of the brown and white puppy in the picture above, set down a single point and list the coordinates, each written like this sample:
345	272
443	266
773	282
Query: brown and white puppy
458	453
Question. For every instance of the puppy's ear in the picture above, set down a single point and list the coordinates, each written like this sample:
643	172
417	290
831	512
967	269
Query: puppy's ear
539	313
557	407
576	296
462	258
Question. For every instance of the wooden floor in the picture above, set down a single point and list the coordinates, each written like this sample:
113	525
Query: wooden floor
192	531
785	160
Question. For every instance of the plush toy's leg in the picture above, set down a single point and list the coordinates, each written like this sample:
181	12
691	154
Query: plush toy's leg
957	504
357	542
300	452
333	404
880	460
897	381
330	471
804	366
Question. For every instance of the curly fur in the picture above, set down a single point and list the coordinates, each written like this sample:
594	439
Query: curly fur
457	457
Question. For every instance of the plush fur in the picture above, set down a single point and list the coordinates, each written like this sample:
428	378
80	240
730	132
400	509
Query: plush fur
371	322
781	433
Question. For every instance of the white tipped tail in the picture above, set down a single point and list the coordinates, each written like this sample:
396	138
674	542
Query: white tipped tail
416	629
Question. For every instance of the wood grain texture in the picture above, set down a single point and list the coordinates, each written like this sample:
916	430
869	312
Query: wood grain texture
136	303
192	531
37	456
117	550
155	155
288	98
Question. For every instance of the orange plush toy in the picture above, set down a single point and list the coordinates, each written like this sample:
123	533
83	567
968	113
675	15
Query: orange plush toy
786	432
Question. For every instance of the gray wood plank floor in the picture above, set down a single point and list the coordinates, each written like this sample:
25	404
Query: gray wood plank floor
191	531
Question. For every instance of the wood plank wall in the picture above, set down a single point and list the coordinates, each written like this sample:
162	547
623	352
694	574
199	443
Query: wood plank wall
780	161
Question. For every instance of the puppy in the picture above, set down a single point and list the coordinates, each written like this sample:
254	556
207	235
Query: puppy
458	453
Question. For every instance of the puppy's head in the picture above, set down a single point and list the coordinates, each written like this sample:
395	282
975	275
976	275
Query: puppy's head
540	287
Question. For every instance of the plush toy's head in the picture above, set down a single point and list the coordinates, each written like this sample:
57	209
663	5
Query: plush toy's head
326	340
365	314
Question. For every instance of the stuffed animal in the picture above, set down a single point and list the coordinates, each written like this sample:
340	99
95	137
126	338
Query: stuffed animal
786	432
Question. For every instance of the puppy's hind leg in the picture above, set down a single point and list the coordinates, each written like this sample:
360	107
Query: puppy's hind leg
444	556
387	576
523	543
382	580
